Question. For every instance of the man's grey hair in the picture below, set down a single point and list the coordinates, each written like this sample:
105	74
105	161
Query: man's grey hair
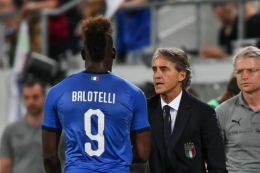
247	52
180	59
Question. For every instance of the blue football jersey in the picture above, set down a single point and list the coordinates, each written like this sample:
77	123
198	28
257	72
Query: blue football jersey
97	112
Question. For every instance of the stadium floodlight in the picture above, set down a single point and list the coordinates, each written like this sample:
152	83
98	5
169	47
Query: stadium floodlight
40	66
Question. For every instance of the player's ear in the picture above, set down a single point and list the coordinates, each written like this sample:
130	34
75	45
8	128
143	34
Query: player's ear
113	52
83	54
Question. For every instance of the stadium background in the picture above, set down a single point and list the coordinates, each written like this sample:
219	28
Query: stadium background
174	25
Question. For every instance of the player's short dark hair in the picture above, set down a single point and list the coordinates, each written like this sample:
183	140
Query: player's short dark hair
232	87
180	59
97	33
31	81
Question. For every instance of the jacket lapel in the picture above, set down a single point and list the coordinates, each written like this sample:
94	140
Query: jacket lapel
181	119
156	120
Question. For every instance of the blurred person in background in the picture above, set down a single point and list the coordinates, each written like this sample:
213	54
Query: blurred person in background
231	90
74	17
239	117
133	32
10	26
89	8
58	33
21	141
227	14
58	28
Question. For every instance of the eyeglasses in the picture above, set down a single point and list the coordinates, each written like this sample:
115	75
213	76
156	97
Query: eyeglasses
249	72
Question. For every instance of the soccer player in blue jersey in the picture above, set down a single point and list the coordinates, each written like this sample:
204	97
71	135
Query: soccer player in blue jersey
99	112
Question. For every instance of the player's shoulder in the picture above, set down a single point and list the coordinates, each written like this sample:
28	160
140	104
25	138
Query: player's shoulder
70	78
124	83
67	82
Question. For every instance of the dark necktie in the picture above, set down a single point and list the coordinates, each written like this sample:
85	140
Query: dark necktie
167	125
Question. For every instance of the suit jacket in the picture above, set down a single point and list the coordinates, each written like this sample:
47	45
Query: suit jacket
196	138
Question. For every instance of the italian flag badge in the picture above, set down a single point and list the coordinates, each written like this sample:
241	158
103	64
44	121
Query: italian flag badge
94	78
190	151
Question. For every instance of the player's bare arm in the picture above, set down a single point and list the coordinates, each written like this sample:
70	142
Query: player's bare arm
50	142
141	146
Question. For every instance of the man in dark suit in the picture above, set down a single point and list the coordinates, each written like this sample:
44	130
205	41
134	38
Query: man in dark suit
185	133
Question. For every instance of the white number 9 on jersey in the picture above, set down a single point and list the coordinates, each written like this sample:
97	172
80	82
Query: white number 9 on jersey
99	137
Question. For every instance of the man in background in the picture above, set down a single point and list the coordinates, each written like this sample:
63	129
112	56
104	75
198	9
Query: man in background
133	32
58	27
226	12
10	29
239	117
21	141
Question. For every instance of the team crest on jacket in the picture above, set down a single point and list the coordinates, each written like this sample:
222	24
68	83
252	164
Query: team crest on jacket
190	151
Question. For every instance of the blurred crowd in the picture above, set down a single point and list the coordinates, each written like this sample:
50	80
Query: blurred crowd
133	28
63	33
227	14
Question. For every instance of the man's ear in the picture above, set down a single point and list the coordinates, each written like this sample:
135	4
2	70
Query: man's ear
182	75
83	54
113	52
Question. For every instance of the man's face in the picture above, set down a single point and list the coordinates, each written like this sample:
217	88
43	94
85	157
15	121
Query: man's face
167	80
248	74
7	6
224	12
33	98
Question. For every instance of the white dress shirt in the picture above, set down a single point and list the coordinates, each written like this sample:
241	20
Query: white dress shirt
174	108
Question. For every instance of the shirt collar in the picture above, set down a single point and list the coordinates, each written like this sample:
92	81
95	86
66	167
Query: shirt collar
174	104
241	100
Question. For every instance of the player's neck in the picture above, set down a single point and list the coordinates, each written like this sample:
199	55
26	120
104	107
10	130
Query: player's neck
35	120
98	67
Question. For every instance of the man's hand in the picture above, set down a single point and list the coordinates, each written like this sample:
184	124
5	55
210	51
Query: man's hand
5	165
211	51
